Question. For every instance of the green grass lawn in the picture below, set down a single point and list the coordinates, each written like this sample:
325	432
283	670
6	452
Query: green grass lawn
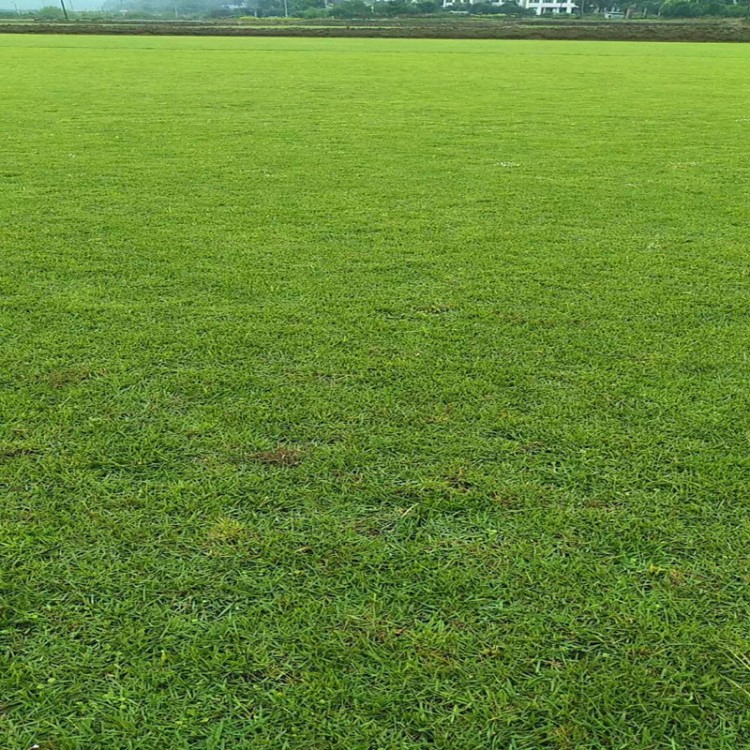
374	394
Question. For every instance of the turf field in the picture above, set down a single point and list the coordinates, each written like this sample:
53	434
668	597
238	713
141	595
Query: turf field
374	394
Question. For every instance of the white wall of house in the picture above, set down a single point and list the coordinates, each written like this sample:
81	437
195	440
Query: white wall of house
538	6
546	6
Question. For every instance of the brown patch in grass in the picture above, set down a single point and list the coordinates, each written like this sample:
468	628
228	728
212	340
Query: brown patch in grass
376	525
435	656
459	482
676	577
226	538
226	530
383	635
531	449
366	528
9	450
602	505
279	456
69	376
568	736
671	576
505	499
435	309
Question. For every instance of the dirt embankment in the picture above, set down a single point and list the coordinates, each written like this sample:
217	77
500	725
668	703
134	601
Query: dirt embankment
455	29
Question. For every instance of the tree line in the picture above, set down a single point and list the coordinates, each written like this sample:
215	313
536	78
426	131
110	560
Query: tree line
359	9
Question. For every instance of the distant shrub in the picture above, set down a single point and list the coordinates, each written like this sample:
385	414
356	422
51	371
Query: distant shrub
428	6
713	9
735	11
50	13
687	9
351	9
677	9
393	8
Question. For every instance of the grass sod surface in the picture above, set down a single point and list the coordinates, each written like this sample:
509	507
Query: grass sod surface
373	394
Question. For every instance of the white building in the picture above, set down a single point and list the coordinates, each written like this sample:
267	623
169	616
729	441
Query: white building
543	7
540	7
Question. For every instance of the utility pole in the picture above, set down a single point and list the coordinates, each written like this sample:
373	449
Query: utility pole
286	9
65	12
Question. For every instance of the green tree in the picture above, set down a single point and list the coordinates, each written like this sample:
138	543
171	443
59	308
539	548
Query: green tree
50	13
393	8
351	9
299	7
678	9
428	6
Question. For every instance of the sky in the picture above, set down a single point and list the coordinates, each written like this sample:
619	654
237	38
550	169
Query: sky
35	4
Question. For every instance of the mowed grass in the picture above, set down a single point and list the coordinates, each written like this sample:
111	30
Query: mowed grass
374	395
